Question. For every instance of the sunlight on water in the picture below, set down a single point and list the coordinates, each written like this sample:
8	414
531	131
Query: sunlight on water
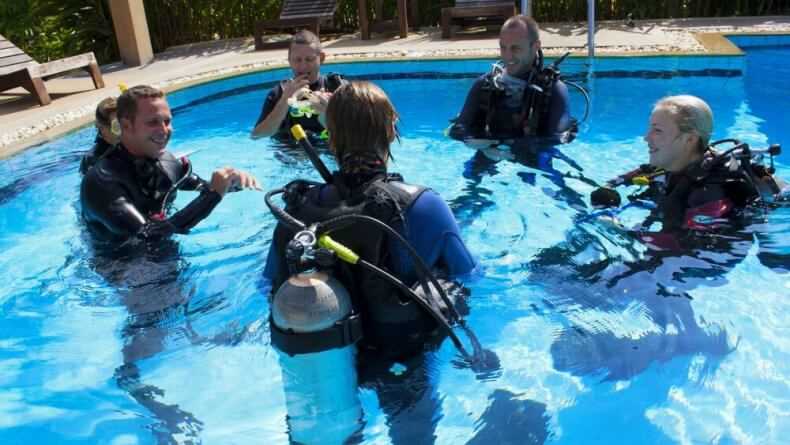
600	341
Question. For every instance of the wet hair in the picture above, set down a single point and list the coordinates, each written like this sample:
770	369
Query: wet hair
105	108
361	123
305	37
127	102
533	30
691	114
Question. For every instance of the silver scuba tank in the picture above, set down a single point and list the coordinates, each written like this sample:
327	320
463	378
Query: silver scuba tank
312	332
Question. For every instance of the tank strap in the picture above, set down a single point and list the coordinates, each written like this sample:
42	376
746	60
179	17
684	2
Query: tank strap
342	333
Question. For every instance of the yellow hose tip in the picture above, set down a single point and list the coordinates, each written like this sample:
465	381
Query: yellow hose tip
123	87
641	180
298	132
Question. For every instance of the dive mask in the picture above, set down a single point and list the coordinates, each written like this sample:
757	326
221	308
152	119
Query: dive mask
300	104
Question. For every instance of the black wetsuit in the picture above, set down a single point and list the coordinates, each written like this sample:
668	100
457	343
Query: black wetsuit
124	196
487	114
100	149
702	196
311	125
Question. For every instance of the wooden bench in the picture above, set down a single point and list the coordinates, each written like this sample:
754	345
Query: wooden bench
476	10
17	69
304	14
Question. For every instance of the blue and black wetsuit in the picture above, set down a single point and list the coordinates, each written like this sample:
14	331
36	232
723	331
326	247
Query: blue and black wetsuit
488	114
392	323
123	196
311	125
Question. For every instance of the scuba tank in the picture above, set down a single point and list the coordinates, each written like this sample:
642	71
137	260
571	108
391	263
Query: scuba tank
314	330
320	386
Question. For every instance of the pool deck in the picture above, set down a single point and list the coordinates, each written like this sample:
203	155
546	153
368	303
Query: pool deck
23	123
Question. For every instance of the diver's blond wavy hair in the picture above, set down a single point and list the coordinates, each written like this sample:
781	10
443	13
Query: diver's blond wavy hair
691	114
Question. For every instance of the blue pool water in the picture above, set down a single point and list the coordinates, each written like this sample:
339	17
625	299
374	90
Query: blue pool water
596	345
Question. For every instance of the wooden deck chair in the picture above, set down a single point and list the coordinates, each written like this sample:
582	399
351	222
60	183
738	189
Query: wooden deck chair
479	11
17	69
302	14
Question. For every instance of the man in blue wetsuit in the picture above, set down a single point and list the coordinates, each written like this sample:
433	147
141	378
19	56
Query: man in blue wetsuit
361	122
307	87
518	100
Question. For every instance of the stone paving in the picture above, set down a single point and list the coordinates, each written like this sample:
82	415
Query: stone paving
23	123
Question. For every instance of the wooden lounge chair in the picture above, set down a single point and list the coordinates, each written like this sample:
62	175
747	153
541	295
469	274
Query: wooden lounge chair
304	14
17	69
479	11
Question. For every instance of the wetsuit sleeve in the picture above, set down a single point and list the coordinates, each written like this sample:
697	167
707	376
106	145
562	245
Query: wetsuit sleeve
559	117
434	233
106	202
470	122
268	105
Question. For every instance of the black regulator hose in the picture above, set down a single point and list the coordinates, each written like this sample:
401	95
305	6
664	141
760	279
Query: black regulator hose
481	356
337	222
280	214
478	360
408	291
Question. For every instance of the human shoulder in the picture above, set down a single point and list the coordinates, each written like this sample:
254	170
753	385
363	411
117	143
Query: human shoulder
333	81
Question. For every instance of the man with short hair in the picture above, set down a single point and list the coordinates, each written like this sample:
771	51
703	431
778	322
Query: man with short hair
107	133
129	191
305	57
518	99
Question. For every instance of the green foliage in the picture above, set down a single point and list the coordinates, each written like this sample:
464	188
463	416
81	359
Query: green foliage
51	29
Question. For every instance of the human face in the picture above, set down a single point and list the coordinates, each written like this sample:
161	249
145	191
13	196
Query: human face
148	134
305	61
516	50
670	149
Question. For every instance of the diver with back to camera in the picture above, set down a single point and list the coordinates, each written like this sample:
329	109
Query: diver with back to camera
366	285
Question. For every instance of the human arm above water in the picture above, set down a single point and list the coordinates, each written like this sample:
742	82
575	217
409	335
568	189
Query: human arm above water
432	230
275	108
109	203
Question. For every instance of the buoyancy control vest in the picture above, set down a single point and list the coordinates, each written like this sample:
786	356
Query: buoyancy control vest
392	322
509	118
709	191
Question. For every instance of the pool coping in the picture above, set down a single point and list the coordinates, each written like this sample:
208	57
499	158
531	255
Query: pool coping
715	44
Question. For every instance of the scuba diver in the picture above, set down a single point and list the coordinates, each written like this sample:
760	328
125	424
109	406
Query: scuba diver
301	100
519	99
702	196
108	133
129	191
366	285
692	185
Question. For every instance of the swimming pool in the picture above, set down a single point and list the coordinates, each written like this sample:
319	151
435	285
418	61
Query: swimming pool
593	350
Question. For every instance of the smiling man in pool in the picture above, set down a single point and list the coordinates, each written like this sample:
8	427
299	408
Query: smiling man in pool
302	99
129	191
518	99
